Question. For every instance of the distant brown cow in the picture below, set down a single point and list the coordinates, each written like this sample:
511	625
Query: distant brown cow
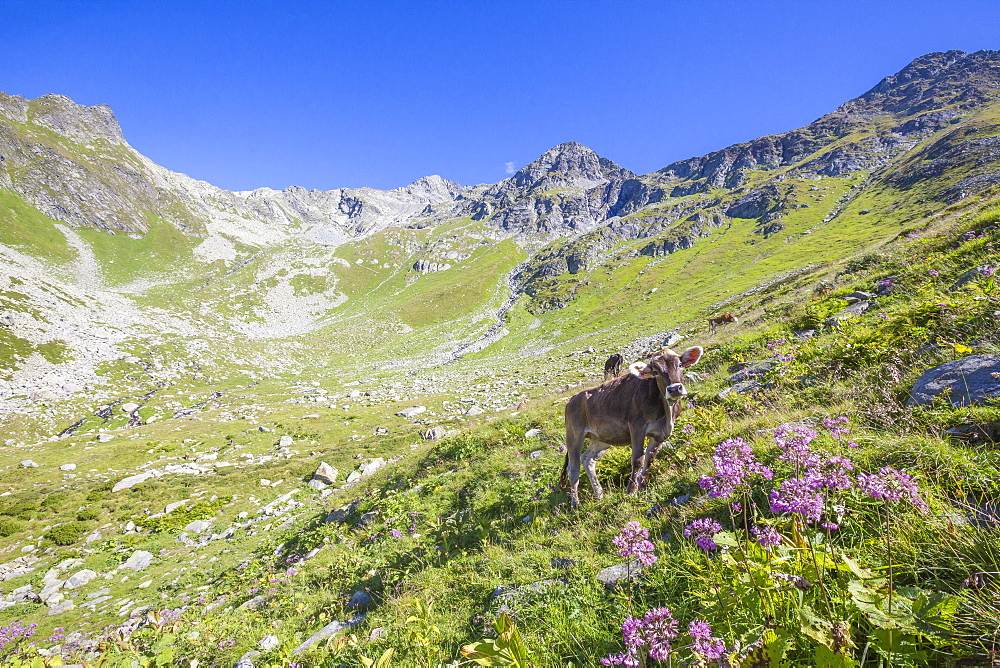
643	404
724	320
613	367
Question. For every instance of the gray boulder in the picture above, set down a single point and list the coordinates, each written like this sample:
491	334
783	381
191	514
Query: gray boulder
857	297
627	570
756	370
131	481
969	276
139	560
331	629
326	473
744	387
970	380
79	579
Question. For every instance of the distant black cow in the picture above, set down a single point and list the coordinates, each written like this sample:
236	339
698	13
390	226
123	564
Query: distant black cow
643	404
613	367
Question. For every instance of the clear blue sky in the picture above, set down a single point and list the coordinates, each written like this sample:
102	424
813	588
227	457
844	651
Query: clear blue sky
363	92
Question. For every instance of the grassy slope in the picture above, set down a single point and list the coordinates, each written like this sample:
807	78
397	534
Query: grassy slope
475	512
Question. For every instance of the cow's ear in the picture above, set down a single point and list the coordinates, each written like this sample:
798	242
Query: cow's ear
640	370
691	356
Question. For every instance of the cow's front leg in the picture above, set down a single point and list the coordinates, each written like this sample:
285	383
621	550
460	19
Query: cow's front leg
651	450
590	458
638	462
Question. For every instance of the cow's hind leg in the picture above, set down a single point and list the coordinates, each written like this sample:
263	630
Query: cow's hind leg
571	473
590	457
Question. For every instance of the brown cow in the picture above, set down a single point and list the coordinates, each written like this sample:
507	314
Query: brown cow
724	320
613	367
643	404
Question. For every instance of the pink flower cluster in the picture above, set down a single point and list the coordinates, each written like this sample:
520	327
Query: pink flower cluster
892	485
633	541
654	631
701	532
734	463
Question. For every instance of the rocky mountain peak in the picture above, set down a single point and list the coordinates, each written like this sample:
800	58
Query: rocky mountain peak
74	121
433	188
568	165
932	81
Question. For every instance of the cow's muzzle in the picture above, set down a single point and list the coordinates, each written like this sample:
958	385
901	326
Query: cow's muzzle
674	392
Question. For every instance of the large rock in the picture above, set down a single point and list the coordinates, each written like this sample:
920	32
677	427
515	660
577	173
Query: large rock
139	560
131	481
612	575
79	579
326	473
753	371
970	380
331	629
411	411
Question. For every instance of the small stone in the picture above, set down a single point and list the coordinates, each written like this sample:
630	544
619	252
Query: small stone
68	467
285	441
318	485
536	454
269	642
410	412
533	433
28	464
104	438
473	410
129	407
145	584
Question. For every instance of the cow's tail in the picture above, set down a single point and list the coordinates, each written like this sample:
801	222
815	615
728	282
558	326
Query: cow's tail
564	476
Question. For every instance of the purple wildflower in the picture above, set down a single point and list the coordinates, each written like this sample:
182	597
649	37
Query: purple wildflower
766	535
989	271
832	474
734	461
797	495
687	429
701	532
659	628
58	633
653	631
395	533
933	272
890	484
633	541
794	440
228	642
14	632
705	645
834	426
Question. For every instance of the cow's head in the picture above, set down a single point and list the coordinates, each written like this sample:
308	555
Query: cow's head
667	368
